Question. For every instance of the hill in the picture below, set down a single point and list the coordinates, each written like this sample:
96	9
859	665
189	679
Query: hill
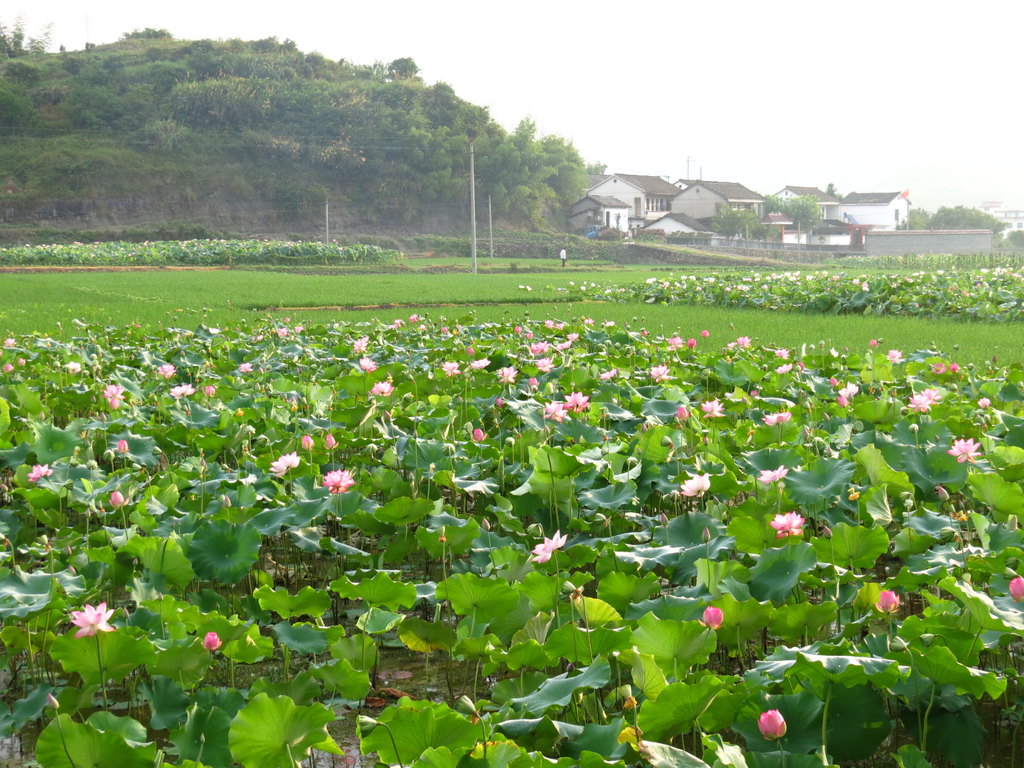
254	137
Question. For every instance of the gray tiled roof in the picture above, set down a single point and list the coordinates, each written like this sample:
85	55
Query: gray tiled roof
730	190
654	185
683	219
609	202
870	198
817	194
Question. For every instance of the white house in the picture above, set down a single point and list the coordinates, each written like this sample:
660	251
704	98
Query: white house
672	223
649	197
702	199
1013	218
878	210
829	205
601	211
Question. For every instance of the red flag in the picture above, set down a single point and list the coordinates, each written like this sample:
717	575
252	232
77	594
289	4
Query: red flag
905	195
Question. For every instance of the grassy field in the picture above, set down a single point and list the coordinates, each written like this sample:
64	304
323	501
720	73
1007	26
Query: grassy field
50	302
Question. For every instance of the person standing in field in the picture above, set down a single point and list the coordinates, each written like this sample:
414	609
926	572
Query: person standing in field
562	256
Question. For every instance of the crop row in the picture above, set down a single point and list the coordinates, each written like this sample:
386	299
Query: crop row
195	253
621	549
995	295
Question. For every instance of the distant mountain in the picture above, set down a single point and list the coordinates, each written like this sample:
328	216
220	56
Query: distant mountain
256	137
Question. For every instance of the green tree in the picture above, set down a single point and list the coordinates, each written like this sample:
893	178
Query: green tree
919	218
962	217
1015	239
831	190
403	69
595	169
737	222
804	211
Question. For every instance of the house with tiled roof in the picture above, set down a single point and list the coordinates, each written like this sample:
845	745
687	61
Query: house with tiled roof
830	205
649	197
672	223
601	211
702	199
876	210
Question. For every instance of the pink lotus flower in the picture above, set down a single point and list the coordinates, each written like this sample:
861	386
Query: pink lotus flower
1017	589
965	450
166	370
939	368
681	413
675	343
777	418
282	332
533	382
713	617
306	441
894	356
588	321
339	481
873	343
608	375
691	343
539	348
450	369
283	464
743	342
330	442
782	353
923	401
577	402
182	390
212	641
8	367
367	365
117	500
704	334
545	365
769	476
507	375
382	389
556	411
114	394
245	368
479	435
73	367
696	485
209	390
984	403
359	345
122	446
660	373
772	724
479	365
849	391
784	368
712	409
38	472
543	551
789	524
91	620
9	342
888	601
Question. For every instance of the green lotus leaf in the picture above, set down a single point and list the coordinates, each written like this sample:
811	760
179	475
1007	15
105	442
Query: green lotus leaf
1002	496
167	702
344	680
778	570
274	732
141	450
666	756
678	707
793	622
425	636
802	713
65	743
413	727
380	590
377	621
471	594
220	551
871	460
119	652
52	443
300	638
675	645
821	482
205	736
558	691
249	647
306	602
852	546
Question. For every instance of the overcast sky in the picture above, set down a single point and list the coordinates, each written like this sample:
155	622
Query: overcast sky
872	96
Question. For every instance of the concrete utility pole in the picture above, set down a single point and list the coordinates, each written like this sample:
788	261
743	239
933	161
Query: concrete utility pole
327	222
490	224
472	204
688	161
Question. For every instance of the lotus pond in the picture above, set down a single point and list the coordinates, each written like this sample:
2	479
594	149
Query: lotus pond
608	548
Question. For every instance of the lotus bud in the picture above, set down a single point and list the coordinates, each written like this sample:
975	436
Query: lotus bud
772	724
1017	589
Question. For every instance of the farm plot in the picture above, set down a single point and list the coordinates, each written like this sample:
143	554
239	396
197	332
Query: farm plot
621	548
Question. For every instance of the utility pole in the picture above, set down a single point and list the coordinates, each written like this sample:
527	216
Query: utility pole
472	205
688	161
327	222
490	224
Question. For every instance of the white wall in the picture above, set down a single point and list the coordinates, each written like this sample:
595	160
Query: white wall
880	216
621	190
